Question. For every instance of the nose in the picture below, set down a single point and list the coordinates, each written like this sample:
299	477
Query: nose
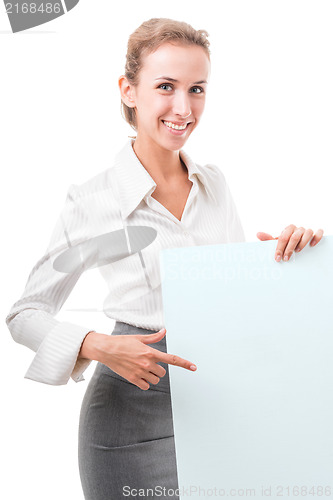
181	104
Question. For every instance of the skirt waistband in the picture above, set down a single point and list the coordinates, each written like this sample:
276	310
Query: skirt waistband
122	328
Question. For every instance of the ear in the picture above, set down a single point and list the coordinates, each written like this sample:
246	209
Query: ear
126	91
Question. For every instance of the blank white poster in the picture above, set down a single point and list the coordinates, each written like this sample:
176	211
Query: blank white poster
256	417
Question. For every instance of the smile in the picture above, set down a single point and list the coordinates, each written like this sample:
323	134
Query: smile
174	126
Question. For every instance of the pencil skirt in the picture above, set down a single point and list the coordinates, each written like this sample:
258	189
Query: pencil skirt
126	442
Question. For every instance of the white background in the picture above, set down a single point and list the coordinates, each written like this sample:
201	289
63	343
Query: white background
267	125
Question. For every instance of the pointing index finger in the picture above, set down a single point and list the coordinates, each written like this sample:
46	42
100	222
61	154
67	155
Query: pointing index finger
173	359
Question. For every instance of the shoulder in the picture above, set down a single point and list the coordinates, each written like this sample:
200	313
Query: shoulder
214	181
209	174
93	206
212	172
94	186
104	183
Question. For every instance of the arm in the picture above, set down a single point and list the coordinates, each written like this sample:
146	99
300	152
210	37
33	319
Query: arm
291	239
131	357
235	229
31	320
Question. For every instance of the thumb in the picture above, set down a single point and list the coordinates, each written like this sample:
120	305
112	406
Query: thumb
265	236
151	338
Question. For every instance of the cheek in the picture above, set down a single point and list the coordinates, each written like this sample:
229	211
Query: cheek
162	105
198	108
155	107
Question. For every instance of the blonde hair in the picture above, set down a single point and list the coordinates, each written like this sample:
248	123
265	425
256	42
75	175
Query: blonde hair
146	39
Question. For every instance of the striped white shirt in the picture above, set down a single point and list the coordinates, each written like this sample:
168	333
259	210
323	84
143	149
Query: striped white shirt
112	200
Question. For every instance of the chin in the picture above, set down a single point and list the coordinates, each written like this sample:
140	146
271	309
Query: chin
174	144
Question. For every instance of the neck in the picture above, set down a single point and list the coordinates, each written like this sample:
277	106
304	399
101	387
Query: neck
163	165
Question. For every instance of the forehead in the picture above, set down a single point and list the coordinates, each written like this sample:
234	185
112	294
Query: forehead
176	61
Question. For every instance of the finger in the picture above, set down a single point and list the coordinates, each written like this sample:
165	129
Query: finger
265	236
158	370
142	384
317	237
304	240
151	378
151	366
293	242
172	359
151	338
283	241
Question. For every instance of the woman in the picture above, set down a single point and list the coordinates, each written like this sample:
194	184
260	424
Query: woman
126	439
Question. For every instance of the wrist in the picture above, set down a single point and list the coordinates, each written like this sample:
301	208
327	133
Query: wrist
89	347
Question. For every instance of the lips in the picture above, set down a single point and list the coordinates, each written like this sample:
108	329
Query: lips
175	126
178	127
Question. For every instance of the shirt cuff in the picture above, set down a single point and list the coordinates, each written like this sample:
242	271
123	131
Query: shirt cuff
56	360
80	366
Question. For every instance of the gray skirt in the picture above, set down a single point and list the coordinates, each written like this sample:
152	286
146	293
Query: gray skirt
126	440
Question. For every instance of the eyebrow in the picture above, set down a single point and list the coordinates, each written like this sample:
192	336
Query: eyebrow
176	81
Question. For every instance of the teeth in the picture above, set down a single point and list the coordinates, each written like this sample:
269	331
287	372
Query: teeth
177	127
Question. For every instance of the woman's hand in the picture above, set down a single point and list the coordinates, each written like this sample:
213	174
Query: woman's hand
292	238
131	357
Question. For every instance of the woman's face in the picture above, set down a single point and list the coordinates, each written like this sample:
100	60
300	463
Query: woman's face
170	95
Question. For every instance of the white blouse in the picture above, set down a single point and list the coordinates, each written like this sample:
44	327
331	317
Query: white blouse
118	197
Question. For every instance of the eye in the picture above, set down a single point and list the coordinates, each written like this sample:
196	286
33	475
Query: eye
197	90
164	85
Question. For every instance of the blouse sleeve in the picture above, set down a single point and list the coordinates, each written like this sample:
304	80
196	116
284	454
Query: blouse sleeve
31	320
235	229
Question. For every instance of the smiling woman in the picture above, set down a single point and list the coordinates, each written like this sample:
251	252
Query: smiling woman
146	39
126	431
167	108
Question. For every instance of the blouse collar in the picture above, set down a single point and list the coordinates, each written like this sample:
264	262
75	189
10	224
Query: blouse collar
134	182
